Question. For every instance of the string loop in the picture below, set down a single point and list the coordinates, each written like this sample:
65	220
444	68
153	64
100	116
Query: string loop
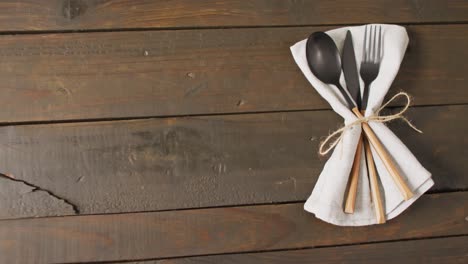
373	118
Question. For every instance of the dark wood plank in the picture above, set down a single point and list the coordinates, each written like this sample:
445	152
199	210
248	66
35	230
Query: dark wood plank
438	153
173	163
35	15
435	251
23	200
212	231
135	74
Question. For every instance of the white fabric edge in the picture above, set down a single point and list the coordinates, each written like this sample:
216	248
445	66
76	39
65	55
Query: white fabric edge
405	204
325	215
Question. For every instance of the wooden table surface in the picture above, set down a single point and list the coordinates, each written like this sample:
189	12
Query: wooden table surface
182	132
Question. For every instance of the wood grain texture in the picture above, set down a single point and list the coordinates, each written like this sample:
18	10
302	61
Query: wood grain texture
22	200
212	231
451	250
137	74
33	15
173	163
106	59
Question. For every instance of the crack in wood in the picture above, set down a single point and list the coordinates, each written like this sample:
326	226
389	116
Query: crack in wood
38	188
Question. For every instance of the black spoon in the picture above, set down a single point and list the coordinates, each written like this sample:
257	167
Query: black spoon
325	62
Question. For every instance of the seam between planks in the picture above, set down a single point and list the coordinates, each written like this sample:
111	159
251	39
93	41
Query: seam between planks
104	30
157	117
291	202
282	250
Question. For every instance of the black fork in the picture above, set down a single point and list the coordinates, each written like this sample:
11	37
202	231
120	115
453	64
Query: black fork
371	58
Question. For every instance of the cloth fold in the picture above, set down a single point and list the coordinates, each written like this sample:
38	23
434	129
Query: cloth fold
327	198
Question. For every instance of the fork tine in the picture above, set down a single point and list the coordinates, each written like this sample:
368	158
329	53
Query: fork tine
364	44
379	47
369	45
365	50
374	45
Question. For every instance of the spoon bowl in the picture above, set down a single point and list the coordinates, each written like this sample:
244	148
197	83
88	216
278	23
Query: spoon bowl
323	58
324	61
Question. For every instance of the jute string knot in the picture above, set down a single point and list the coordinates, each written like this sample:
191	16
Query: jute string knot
374	118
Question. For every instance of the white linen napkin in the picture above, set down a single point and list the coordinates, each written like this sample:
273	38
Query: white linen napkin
327	198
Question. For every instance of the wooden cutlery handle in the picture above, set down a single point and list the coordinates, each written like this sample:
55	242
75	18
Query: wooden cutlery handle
374	184
353	178
385	157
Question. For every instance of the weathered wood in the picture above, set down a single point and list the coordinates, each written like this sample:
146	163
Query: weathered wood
429	251
212	231
438	154
135	74
173	163
210	161
19	199
35	15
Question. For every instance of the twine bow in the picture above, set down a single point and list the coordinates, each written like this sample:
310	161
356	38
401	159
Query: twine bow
374	118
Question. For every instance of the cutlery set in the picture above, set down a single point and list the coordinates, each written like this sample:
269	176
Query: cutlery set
327	65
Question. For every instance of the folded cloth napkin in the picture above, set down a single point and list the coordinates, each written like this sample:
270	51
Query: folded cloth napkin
327	198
